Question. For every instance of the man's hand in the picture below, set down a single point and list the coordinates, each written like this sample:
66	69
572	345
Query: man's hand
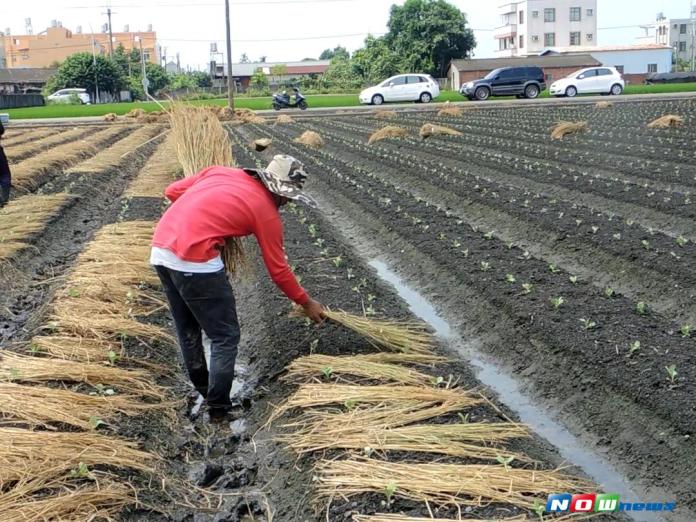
314	310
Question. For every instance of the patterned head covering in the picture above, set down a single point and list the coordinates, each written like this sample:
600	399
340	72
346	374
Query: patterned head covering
285	177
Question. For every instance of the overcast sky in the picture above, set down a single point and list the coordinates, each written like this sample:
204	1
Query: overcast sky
285	30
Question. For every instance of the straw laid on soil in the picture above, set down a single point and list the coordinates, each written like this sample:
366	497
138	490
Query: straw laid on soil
310	139
284	118
40	406
465	440
383	367
389	131
116	155
385	114
25	216
40	145
430	129
603	104
398	336
19	137
450	111
248	116
565	128
667	121
75	348
68	504
21	368
48	455
135	113
442	483
160	170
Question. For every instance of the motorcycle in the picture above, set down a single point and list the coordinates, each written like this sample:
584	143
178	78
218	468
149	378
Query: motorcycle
282	101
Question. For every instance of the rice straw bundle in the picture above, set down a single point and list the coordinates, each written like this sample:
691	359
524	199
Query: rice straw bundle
310	139
37	146
385	114
68	504
40	406
398	336
430	129
160	170
110	117
390	131
667	121
135	113
442	483
450	111
75	348
26	173
117	154
284	118
564	128
603	104
27	369
47	455
201	142
313	395
225	114
248	116
392	517
382	367
457	440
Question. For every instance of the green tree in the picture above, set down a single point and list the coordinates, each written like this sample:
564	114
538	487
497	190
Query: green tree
259	80
376	61
157	76
82	70
336	52
341	73
182	81
428	34
202	79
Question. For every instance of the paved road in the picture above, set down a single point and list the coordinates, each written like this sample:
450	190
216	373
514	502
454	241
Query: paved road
412	107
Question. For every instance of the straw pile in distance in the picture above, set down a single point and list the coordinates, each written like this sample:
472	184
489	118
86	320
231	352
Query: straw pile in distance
666	121
464	440
442	483
310	139
564	128
603	104
284	118
390	131
248	116
110	117
135	113
382	367
450	111
100	501
47	455
397	336
430	129
385	114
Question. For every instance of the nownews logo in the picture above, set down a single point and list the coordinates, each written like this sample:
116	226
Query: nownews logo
601	503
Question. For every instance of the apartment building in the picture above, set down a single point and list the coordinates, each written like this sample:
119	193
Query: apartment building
529	26
679	34
56	43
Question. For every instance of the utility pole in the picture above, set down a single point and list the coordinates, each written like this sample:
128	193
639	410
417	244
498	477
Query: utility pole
111	35
94	63
230	76
146	82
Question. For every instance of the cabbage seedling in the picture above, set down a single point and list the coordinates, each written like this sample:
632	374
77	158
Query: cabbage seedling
510	278
635	346
553	268
685	330
337	261
588	324
527	288
672	373
557	302
641	308
485	267
682	241
573	279
609	292
389	491
327	371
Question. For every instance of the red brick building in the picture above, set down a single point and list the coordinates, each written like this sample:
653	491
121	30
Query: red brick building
555	67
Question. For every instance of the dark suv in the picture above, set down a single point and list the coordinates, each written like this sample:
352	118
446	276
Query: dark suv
524	82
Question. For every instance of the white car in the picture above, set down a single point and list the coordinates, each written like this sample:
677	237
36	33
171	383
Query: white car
402	88
66	95
594	80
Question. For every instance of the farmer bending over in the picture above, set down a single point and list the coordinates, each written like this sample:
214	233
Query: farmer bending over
215	204
5	176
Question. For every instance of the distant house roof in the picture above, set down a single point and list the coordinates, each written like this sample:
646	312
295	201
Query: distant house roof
12	76
583	49
488	64
308	67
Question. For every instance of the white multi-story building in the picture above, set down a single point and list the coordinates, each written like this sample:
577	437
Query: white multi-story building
529	26
677	33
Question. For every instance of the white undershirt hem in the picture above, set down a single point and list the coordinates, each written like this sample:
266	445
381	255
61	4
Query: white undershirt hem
167	258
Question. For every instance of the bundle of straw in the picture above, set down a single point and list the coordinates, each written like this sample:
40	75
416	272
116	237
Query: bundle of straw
201	142
110	117
375	367
390	131
667	121
313	395
450	111
47	455
442	483
248	116
430	129
385	114
603	104
310	139
135	113
398	336
39	406
456	440
564	128
21	368
284	118
76	348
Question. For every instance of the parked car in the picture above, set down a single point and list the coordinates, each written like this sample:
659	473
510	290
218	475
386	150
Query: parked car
401	88
67	95
594	80
527	82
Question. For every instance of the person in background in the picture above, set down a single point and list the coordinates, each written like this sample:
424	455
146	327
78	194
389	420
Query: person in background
215	204
5	175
